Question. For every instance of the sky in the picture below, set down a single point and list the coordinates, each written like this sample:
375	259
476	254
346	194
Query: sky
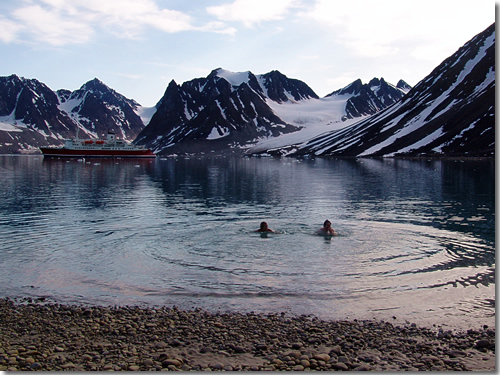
137	47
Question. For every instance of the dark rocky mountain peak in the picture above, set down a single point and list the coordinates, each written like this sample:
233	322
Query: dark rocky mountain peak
95	85
403	86
29	102
351	89
99	109
273	85
375	82
103	93
280	88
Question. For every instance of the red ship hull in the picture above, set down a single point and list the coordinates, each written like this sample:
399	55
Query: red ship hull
93	153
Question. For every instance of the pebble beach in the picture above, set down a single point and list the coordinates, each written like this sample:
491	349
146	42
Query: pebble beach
53	337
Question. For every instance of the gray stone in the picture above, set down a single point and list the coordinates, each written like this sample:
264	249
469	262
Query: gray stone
322	357
36	366
339	366
458	353
484	344
148	362
305	363
171	362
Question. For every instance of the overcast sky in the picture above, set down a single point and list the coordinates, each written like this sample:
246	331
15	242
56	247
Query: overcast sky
138	46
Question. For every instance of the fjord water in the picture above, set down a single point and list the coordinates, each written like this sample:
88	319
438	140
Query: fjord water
416	237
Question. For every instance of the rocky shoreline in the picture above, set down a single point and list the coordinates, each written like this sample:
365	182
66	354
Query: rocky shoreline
53	337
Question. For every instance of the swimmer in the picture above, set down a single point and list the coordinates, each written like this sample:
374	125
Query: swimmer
264	228
327	229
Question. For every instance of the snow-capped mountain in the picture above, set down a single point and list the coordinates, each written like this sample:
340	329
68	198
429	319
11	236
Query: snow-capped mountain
97	109
29	115
223	111
368	99
238	111
450	112
32	115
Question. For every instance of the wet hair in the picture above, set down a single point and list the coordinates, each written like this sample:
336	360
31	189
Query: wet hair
327	222
263	225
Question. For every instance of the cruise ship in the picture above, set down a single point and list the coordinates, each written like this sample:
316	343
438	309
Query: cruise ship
111	147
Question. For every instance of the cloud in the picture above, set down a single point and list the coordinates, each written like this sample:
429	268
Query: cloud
368	28
61	22
309	57
10	29
217	27
386	27
51	27
251	12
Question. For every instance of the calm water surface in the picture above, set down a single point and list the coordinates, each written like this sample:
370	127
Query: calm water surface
416	238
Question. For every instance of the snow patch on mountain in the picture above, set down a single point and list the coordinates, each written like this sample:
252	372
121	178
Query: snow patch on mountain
9	124
218	132
234	78
68	105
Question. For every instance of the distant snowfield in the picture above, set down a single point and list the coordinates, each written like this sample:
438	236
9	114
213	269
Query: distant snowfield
315	116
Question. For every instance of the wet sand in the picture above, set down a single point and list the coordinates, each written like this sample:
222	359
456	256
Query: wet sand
52	337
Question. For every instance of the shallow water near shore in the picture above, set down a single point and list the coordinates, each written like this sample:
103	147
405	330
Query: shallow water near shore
416	238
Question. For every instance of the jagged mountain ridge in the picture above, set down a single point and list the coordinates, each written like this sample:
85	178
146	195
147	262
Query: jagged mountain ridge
32	115
450	112
42	117
368	99
234	111
225	110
